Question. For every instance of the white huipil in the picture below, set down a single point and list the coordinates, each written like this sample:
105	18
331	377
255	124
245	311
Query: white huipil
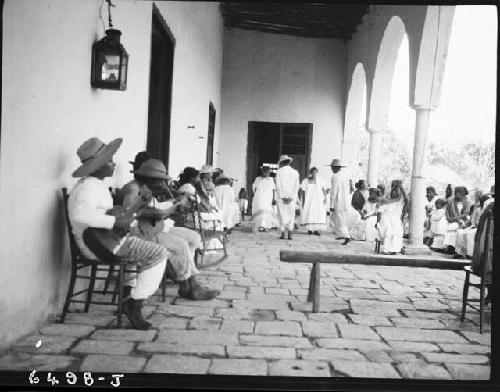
391	225
314	210
263	214
340	202
224	196
287	186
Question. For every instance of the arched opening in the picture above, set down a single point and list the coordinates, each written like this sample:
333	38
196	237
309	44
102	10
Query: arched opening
461	135
381	93
397	138
355	125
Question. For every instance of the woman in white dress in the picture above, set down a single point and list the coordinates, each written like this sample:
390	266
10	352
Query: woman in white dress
457	215
264	198
390	219
224	196
314	203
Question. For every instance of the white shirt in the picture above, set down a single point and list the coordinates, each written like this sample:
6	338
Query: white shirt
87	205
339	193
287	182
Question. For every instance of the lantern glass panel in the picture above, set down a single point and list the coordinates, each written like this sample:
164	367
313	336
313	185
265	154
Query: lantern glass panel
110	69
123	71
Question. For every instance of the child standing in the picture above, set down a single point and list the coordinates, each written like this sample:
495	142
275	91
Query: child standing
438	225
243	202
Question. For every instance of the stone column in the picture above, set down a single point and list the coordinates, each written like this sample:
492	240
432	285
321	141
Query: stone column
374	157
417	200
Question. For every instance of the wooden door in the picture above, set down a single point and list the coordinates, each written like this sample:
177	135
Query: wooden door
160	88
296	142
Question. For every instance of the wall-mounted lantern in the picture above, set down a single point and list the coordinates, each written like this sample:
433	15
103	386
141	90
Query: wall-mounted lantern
109	61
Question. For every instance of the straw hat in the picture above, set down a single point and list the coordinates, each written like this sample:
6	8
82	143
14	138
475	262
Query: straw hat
206	169
94	154
336	163
285	158
153	168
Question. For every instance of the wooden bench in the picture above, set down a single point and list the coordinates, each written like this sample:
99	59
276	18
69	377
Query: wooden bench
291	256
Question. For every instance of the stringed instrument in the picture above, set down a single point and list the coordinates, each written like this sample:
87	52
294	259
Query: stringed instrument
111	238
151	219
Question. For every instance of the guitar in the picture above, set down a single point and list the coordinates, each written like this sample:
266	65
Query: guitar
151	219
111	238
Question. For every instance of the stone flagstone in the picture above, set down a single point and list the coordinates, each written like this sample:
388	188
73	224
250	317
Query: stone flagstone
112	363
41	363
75	330
289	328
468	372
126	335
198	349
260	352
299	368
248	367
177	364
364	369
279	341
419	335
456	358
111	347
419	370
197	337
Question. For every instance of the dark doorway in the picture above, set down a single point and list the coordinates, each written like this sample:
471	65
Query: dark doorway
211	133
160	89
268	140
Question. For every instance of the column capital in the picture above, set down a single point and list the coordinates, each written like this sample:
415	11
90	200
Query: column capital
374	130
424	107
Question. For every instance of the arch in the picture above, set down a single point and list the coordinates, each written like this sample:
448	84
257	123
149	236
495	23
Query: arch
355	116
384	70
432	56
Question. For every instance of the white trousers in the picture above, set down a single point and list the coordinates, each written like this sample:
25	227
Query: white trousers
339	223
148	281
286	215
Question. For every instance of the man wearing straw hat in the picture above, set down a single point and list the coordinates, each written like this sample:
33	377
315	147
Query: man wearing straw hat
88	203
339	202
179	241
287	187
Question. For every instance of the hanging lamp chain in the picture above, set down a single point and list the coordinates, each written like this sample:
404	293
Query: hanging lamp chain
110	21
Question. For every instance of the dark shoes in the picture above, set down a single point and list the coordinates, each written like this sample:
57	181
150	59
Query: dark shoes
346	241
282	236
132	309
309	232
197	292
317	233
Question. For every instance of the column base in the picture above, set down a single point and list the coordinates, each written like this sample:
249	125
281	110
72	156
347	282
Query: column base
413	250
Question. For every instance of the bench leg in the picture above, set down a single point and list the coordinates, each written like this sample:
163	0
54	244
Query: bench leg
316	287
310	294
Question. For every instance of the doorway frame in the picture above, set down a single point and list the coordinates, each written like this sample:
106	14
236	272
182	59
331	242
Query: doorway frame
250	143
161	25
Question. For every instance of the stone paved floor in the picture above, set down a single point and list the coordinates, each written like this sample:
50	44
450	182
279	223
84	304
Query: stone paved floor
392	322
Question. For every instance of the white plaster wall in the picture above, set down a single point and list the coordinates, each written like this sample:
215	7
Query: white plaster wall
49	109
281	78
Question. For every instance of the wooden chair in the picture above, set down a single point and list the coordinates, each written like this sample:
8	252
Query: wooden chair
208	230
79	262
481	285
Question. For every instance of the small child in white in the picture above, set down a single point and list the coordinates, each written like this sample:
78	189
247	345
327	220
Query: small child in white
438	225
243	202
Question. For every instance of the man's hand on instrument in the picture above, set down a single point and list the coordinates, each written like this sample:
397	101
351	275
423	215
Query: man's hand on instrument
286	200
123	221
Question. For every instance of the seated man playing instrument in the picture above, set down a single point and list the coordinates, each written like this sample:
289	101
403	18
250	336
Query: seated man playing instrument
91	213
154	225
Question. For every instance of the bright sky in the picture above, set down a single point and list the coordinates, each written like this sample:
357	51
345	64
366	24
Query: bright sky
468	98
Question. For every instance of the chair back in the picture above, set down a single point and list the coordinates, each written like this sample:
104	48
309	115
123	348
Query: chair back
73	246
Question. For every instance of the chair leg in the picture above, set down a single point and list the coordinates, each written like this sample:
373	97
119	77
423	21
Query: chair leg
120	295
465	294
164	286
317	285
69	295
90	292
109	277
481	307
